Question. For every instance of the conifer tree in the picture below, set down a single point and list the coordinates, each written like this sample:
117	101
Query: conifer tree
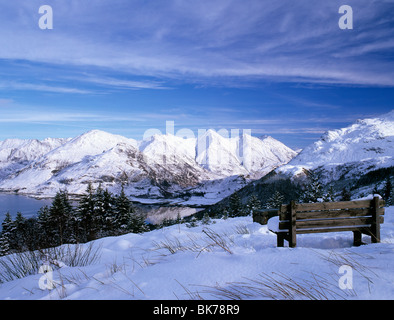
30	234
329	196
123	209
137	222
6	234
99	211
60	214
313	190
235	206
225	213
345	194
44	232
86	216
253	204
109	212
206	219
19	239
388	192
275	201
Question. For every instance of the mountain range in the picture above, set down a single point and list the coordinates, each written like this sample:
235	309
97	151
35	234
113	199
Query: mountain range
159	167
201	170
346	153
359	158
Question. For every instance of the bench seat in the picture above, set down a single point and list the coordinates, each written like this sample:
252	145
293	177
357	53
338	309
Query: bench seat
360	217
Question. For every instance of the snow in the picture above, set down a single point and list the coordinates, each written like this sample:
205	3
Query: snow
273	225
357	149
227	258
151	168
178	262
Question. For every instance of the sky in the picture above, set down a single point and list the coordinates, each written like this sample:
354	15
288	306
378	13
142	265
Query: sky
277	67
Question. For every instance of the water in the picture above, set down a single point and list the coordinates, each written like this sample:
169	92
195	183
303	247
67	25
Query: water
14	203
156	214
29	207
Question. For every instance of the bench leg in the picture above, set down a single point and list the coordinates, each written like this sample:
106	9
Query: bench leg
293	229
357	238
293	241
280	239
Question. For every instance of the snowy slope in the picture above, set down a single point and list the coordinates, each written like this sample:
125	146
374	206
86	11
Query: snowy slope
178	262
363	146
261	155
241	155
156	167
16	153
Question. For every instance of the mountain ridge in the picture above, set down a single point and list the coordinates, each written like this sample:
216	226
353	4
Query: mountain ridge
365	145
159	167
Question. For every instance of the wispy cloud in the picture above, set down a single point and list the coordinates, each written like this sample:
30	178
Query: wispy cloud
280	41
115	83
40	87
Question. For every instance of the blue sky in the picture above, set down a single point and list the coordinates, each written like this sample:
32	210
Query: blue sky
282	68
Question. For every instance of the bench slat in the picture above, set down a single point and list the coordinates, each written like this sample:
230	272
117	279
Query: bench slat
308	224
317	209
345	213
336	205
334	229
359	216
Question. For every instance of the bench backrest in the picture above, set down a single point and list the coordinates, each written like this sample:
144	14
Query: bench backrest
331	216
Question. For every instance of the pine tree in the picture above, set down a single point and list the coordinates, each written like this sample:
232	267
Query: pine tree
99	211
109	212
345	194
6	235
31	236
19	239
123	211
313	190
206	219
44	231
60	214
87	221
193	222
329	196
137	222
275	201
388	192
235	206
253	204
225	213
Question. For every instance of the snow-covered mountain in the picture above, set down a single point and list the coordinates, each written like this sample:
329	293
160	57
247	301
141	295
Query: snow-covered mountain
241	155
160	166
361	147
15	154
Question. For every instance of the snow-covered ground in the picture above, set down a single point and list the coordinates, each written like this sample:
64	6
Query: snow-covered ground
233	258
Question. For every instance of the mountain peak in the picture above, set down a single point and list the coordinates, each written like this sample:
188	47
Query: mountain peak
368	140
161	161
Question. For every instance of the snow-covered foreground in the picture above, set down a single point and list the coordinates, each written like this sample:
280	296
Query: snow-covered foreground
227	259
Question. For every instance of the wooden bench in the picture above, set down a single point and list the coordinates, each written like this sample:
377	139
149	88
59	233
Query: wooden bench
361	217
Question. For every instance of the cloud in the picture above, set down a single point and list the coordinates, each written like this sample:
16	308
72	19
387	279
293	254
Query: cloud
40	87
202	41
111	82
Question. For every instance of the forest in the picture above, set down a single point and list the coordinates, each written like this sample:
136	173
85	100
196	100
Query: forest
98	213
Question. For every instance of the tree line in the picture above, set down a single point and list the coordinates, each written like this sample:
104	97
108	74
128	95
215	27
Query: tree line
98	213
272	195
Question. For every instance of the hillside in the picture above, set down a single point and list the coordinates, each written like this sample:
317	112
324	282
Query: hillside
359	157
361	147
160	167
226	259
